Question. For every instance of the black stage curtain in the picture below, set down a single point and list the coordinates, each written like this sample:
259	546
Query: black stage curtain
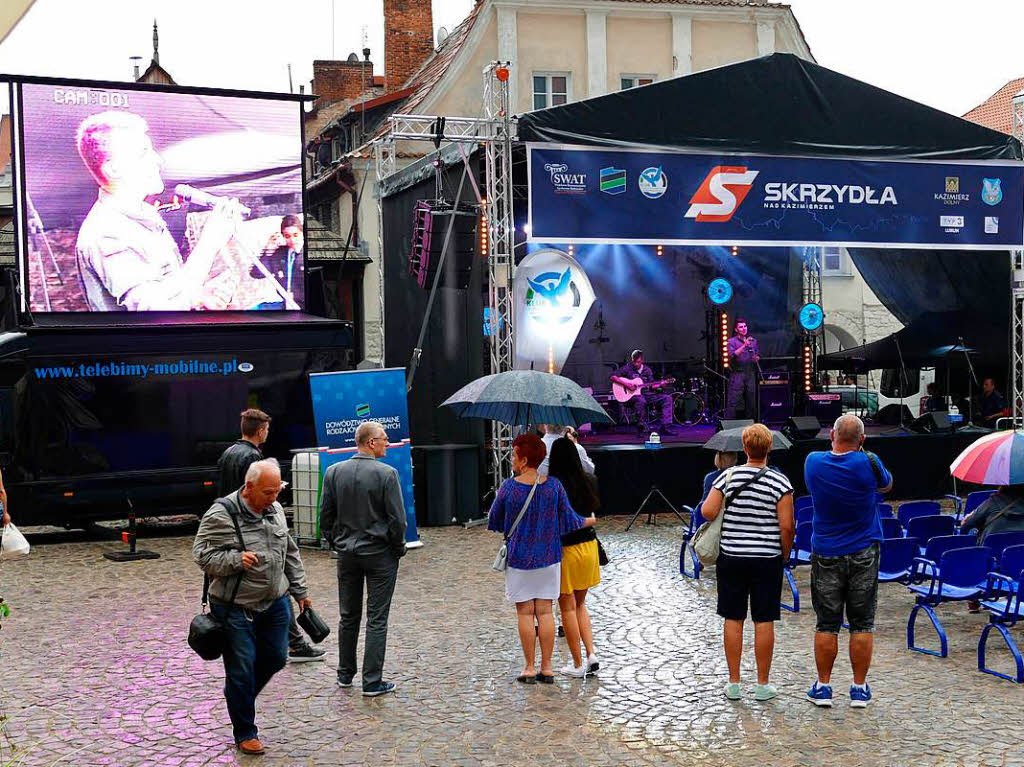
919	465
453	350
778	104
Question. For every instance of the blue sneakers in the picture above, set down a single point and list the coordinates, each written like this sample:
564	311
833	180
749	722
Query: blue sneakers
860	696
821	695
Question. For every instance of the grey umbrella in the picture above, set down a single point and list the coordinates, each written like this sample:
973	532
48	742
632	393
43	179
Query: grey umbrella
523	397
731	441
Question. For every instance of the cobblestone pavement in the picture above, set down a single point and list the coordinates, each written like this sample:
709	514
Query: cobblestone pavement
95	671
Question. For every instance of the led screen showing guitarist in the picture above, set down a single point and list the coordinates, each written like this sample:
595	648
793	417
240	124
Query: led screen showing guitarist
635	387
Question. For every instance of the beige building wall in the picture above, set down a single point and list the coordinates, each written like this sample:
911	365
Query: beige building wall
465	96
548	42
639	47
716	43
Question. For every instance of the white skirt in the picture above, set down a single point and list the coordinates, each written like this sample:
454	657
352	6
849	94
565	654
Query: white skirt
524	585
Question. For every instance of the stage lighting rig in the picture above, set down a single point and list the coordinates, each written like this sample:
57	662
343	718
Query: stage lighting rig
720	291
723	334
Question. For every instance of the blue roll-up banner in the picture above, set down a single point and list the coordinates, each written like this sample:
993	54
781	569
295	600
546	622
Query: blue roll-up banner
618	196
344	399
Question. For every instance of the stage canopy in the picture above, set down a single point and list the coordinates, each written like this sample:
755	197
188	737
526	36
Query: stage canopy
783	105
778	104
933	339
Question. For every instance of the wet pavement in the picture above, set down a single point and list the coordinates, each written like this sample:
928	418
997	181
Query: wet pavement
94	670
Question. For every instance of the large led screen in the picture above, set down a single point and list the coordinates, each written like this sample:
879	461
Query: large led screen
155	200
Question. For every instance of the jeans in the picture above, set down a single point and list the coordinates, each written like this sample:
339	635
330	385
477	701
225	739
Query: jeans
380	571
742	383
643	403
257	648
849	584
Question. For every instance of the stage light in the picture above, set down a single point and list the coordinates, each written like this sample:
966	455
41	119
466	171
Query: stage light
659	251
720	291
735	250
808	367
724	338
502	74
551	358
811	317
483	228
571	250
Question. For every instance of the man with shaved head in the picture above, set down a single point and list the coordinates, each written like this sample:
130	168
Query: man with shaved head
844	484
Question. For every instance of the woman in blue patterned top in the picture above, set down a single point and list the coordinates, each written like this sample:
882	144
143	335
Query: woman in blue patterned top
532	579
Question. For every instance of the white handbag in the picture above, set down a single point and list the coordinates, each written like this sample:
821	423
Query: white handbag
707	540
13	543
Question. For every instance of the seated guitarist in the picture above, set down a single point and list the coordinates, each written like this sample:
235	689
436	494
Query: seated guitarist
626	377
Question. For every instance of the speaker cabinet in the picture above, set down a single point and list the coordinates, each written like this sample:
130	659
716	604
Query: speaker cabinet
430	225
740	423
932	423
802	427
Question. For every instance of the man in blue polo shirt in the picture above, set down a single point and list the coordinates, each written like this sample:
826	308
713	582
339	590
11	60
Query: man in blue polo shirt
843	484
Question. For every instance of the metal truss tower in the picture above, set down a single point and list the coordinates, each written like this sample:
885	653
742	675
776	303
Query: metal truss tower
495	131
1017	296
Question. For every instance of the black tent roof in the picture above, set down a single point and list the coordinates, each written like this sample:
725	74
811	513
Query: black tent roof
934	339
778	104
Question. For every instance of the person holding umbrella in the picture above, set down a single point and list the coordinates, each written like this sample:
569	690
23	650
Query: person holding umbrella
533	512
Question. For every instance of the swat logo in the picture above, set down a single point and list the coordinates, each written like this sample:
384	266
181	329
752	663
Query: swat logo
721	193
565	182
653	183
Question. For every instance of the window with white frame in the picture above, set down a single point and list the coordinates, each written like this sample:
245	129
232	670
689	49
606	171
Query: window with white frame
834	262
632	81
551	89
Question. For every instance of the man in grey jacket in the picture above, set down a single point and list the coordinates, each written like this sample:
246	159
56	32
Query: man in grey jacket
249	585
363	516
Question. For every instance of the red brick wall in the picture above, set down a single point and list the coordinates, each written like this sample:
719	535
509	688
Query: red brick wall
408	39
341	80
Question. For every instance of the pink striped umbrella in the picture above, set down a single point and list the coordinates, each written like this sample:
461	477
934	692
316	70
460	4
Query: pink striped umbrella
995	459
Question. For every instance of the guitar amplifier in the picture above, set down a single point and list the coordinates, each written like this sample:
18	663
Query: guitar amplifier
775	399
825	406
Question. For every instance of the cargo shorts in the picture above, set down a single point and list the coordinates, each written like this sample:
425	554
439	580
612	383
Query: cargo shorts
845	584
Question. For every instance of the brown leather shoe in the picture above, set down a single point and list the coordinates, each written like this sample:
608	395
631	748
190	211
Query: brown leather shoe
252	747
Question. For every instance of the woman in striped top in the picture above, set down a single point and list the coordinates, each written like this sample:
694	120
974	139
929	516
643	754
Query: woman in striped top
757	534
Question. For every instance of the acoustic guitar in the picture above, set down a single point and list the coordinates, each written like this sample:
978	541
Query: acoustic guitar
622	394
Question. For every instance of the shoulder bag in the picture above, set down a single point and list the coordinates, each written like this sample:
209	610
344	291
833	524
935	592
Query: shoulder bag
207	634
708	538
501	560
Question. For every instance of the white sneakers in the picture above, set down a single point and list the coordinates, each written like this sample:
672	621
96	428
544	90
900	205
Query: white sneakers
577	672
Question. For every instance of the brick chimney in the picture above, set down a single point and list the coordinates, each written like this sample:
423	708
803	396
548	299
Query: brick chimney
408	39
342	80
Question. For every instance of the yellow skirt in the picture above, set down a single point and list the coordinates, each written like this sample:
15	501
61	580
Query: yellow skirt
580	569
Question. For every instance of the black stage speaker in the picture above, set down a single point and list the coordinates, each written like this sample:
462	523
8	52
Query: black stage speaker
740	423
776	402
802	427
446	484
890	415
931	423
430	224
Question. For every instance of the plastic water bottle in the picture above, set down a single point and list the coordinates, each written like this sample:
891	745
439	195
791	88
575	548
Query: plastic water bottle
655	438
653	442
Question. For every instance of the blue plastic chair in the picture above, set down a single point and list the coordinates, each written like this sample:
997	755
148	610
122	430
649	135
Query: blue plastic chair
975	499
911	509
806	514
959	574
931	526
885	510
686	551
799	555
891	528
999	542
803	502
896	559
1004	611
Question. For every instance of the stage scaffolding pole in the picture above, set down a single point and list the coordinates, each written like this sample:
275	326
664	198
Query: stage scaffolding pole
1017	296
812	295
496	132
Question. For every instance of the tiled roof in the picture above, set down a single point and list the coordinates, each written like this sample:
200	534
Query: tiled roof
324	245
7	243
738	3
996	111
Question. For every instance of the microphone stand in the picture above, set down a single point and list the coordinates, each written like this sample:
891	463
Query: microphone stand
901	429
972	383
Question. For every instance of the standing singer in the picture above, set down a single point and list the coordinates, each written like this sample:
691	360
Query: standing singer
744	356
